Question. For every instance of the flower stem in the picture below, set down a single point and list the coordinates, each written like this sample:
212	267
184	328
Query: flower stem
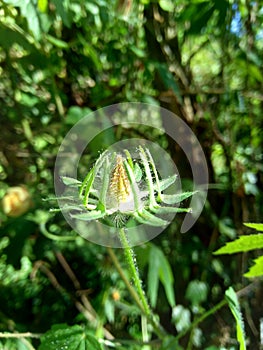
130	257
138	293
125	279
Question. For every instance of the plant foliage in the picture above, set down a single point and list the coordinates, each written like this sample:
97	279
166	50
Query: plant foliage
244	244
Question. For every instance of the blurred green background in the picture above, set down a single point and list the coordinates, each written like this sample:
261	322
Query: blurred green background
60	60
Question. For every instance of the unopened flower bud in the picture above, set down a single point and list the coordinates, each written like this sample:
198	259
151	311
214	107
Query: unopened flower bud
16	201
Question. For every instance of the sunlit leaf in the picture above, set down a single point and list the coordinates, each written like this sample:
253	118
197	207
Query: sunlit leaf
166	5
42	5
258	227
242	244
257	269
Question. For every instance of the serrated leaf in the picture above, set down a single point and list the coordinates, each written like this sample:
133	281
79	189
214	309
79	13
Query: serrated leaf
242	244
258	227
92	215
257	269
70	338
233	304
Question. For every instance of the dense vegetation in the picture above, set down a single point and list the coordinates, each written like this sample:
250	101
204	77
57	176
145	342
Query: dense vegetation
60	60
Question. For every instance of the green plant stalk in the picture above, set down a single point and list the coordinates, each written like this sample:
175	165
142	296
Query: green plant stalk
125	279
140	295
49	235
201	318
130	257
20	335
159	331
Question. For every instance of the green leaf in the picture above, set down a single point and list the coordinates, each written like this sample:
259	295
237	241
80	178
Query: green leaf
233	304
160	269
198	14
166	5
42	5
196	292
153	276
62	11
137	172
181	318
9	36
75	114
258	227
87	184
257	269
242	244
170	343
57	42
70	338
109	309
30	13
168	79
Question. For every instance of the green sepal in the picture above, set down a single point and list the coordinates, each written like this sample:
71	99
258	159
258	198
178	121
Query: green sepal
165	183
70	181
167	210
88	216
87	183
176	198
145	217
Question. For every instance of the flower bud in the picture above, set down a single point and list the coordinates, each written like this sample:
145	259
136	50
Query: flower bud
16	201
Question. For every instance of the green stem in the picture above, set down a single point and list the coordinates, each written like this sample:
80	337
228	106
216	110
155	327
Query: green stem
201	319
19	335
137	293
130	257
49	235
125	279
